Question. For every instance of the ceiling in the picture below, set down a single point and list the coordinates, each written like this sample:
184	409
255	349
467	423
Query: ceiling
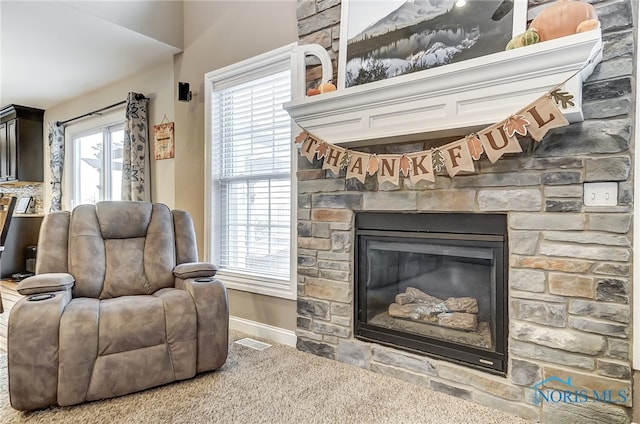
54	51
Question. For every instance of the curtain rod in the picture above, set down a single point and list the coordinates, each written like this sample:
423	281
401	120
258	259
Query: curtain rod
93	113
97	111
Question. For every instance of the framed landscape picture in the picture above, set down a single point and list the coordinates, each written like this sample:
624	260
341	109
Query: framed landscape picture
381	39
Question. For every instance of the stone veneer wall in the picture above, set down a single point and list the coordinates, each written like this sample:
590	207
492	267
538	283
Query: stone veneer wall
570	265
34	190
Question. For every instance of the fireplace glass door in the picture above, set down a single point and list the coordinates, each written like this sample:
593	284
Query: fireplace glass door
435	292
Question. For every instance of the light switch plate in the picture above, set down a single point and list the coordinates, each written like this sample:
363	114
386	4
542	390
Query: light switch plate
601	194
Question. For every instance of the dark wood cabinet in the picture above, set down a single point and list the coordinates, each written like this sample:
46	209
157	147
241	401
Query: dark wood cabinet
21	144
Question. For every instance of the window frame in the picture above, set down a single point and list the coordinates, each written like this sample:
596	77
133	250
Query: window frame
265	64
105	123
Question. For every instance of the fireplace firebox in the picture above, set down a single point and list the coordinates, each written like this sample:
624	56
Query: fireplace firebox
434	284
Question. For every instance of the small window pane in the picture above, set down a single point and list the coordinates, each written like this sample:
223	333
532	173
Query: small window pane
117	141
90	169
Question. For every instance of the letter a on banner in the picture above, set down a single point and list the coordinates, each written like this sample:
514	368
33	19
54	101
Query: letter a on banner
457	157
496	142
421	167
357	167
543	114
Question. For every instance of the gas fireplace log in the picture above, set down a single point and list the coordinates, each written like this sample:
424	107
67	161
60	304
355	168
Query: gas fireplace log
459	320
462	304
417	311
413	295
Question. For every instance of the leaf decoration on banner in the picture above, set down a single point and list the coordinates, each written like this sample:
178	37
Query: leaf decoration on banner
516	124
475	146
562	97
300	138
438	160
374	162
321	150
405	165
345	159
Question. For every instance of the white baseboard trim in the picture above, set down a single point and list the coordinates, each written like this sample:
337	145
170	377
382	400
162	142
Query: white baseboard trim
265	331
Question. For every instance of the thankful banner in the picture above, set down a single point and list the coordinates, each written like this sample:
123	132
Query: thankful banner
536	119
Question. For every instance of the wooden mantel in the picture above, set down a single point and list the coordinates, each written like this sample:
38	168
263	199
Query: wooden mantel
450	100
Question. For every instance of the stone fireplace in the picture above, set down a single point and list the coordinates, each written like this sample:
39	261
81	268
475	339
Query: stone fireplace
567	267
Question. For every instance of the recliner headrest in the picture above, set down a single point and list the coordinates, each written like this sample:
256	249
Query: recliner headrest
123	219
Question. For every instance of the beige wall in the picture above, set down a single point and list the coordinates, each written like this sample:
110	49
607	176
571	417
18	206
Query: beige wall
157	84
217	34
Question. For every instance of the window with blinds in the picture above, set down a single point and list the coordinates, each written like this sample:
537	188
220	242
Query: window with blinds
251	177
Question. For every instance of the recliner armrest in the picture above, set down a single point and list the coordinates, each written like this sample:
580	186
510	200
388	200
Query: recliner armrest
45	283
194	270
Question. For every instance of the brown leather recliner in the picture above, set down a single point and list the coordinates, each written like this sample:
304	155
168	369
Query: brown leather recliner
119	303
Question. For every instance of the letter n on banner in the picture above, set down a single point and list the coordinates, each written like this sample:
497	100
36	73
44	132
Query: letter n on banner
457	157
357	167
543	115
496	142
389	169
332	159
309	148
421	167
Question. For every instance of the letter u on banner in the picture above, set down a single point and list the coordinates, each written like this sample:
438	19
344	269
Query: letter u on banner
496	142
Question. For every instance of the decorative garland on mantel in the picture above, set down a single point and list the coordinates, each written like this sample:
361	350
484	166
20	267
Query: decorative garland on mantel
535	119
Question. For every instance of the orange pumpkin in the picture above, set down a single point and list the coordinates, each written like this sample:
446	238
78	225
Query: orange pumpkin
327	87
313	91
562	18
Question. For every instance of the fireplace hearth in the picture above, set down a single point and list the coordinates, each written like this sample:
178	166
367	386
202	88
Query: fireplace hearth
434	284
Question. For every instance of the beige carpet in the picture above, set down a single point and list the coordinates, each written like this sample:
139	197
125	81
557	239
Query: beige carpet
277	385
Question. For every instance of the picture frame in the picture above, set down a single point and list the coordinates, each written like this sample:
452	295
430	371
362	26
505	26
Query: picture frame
380	40
22	204
163	141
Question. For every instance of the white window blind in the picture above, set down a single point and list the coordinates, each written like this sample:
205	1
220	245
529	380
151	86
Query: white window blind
251	172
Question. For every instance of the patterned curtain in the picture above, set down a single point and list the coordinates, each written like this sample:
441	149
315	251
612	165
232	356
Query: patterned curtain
135	156
56	161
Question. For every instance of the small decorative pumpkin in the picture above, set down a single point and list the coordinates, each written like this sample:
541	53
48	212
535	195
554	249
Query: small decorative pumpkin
313	91
327	87
563	18
527	38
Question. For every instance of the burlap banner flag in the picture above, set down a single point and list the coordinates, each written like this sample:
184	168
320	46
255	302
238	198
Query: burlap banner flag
421	167
389	169
309	148
543	115
457	157
332	158
535	119
357	167
496	142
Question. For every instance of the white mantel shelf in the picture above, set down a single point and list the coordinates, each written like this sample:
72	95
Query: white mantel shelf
450	100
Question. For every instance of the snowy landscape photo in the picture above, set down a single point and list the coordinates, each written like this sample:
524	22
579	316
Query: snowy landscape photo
388	38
